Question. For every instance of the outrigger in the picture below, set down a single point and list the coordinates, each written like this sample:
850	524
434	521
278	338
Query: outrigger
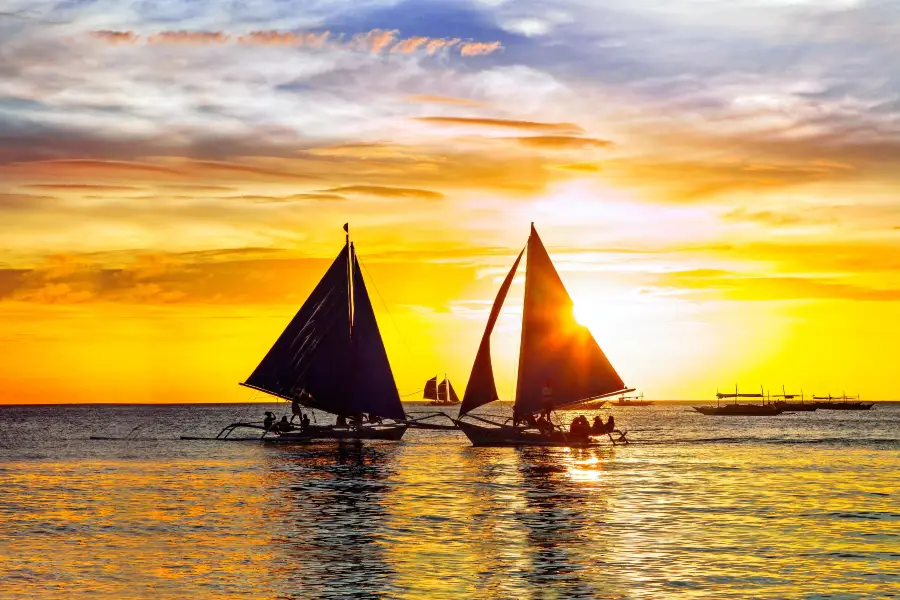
560	364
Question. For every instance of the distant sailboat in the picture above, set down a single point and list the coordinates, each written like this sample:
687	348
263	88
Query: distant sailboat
440	394
788	404
632	401
558	359
843	402
331	357
739	410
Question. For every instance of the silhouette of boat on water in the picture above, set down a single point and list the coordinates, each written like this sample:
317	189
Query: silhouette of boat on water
843	402
739	410
788	404
632	401
440	394
331	358
560	364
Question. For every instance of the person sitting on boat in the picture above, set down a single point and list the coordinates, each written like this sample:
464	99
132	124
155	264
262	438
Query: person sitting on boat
580	426
374	418
357	420
597	427
611	424
284	425
304	422
296	408
341	421
531	421
269	420
544	425
547	396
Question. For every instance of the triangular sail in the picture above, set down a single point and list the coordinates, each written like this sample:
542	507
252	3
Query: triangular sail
311	352
555	348
481	388
430	392
443	393
373	389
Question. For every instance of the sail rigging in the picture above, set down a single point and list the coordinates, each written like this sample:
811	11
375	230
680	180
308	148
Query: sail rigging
555	349
332	350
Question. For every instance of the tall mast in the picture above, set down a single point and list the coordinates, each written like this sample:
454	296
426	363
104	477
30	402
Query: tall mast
349	277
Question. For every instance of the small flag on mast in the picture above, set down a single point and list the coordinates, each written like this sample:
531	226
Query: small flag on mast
347	227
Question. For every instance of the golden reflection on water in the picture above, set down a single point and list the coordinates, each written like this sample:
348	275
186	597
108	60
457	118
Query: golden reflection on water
433	517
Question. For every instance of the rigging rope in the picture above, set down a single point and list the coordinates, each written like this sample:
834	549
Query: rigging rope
372	281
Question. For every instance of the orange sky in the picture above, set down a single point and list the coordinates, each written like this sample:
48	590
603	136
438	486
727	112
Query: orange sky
722	206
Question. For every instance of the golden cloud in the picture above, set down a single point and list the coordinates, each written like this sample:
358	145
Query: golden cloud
479	48
504	123
387	192
561	142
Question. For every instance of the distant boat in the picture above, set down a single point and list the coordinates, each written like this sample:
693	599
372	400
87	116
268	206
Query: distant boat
441	394
557	357
739	410
841	403
787	403
632	401
331	358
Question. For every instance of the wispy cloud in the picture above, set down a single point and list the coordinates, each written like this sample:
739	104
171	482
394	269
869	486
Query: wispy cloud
503	124
375	41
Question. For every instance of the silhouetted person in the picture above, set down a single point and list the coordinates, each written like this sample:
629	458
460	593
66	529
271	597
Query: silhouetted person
611	424
341	421
547	397
269	420
304	422
283	425
597	426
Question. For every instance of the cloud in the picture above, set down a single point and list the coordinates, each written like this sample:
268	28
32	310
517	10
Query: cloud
741	287
116	37
561	142
504	123
24	202
81	187
430	98
375	41
479	48
388	192
189	37
580	167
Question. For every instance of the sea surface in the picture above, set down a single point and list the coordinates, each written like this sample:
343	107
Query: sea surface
803	505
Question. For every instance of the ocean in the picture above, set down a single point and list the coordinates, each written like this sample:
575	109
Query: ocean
803	505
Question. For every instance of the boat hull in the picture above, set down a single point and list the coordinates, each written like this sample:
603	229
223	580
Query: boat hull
634	403
503	436
740	410
386	432
844	405
796	406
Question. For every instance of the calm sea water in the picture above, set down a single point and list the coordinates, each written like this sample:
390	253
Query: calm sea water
799	506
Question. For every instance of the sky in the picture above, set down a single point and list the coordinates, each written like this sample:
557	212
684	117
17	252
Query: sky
717	184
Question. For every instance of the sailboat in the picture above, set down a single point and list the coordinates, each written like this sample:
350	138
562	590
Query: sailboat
440	394
331	358
788	404
739	410
632	401
844	402
560	363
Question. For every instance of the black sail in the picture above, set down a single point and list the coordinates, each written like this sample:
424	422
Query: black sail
311	353
373	388
430	392
481	387
555	347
